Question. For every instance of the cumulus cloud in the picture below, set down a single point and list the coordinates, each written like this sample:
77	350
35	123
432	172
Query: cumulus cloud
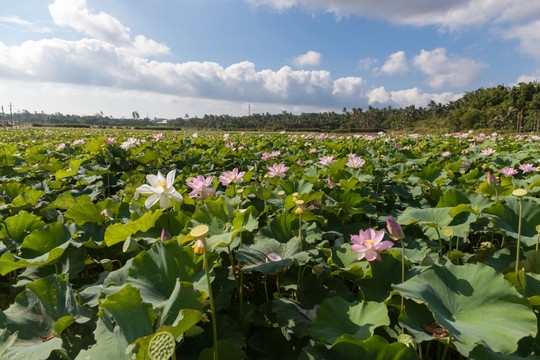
395	64
366	64
110	57
102	26
414	96
443	70
311	58
512	19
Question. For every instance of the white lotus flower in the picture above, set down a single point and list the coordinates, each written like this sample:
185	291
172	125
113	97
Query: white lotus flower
161	188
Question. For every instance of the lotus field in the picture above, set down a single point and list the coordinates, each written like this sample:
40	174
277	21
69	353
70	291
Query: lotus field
124	244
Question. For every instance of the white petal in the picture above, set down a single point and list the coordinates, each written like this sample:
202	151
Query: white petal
161	178
170	178
176	196
145	189
152	199
152	179
164	201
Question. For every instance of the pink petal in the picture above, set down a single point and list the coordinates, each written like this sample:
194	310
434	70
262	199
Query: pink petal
372	255
384	245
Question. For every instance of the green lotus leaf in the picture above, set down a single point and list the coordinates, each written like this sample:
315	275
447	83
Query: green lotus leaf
6	340
376	285
184	296
110	343
255	257
41	247
119	232
44	309
27	199
83	214
347	347
16	228
289	317
464	300
336	317
216	214
155	272
483	353
72	169
280	228
506	218
134	317
344	258
226	350
186	319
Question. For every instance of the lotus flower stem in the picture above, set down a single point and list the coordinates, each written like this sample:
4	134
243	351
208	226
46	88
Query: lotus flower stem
266	289
519	233
239	286
212	307
277	285
199	232
519	193
446	348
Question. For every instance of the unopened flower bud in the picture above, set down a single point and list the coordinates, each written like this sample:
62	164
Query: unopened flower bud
491	179
395	230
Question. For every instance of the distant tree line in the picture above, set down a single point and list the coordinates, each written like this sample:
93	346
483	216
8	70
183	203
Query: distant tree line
500	108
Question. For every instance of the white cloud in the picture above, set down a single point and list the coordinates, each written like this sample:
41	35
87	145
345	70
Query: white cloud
528	35
395	64
365	64
511	19
14	20
102	26
528	78
311	58
445	71
414	96
116	63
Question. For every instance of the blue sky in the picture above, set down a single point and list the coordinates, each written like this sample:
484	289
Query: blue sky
166	58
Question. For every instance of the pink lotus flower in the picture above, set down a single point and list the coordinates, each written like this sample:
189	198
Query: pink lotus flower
327	160
228	177
508	171
355	162
487	151
526	168
110	140
158	136
366	244
446	154
200	186
265	156
277	170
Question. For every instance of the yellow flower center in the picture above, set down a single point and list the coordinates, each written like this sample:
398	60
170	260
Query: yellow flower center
371	242
163	185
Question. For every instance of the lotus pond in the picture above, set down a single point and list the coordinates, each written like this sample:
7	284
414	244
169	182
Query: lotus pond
120	244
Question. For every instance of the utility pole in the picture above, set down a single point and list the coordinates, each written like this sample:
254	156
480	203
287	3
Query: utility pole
249	109
3	119
11	113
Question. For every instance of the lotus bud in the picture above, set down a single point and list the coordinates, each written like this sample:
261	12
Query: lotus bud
492	180
165	235
199	247
331	183
395	230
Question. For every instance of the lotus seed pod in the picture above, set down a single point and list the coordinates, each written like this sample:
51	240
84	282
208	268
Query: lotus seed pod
447	231
199	231
161	346
519	192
